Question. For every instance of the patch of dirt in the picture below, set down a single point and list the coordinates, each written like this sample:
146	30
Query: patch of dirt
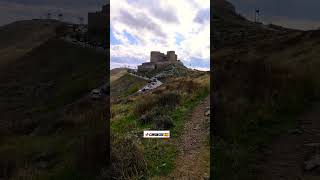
193	160
289	155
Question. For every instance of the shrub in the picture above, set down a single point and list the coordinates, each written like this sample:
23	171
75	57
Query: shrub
188	86
152	114
152	106
143	105
163	122
92	154
127	159
169	99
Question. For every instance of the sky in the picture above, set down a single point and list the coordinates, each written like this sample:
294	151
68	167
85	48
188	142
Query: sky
297	14
15	10
141	26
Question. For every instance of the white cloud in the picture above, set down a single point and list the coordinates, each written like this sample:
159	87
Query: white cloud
160	25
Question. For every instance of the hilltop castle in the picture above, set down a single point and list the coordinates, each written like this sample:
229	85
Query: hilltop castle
158	60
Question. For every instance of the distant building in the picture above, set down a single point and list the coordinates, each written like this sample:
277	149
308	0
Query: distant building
158	60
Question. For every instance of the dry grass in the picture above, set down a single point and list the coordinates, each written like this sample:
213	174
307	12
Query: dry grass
39	87
258	94
21	37
116	74
127	157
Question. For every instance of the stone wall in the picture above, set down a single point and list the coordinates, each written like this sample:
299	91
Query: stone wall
156	56
158	60
163	64
147	66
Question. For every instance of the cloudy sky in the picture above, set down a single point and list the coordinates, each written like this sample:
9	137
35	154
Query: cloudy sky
14	10
141	26
299	14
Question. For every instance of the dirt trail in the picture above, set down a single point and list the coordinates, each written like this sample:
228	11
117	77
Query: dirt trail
287	157
193	160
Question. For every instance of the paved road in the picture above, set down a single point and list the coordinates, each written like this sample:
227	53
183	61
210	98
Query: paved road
149	86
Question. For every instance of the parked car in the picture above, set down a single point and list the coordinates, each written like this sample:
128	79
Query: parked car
152	80
96	94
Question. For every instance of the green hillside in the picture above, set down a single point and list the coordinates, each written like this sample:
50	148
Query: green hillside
165	107
49	125
21	37
261	86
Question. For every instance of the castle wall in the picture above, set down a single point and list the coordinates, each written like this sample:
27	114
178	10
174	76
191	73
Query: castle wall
147	66
159	60
156	56
163	64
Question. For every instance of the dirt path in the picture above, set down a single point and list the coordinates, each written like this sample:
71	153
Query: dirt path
193	160
295	155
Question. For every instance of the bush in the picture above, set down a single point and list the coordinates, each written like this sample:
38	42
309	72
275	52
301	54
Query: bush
143	105
183	85
169	100
127	159
92	154
152	114
163	122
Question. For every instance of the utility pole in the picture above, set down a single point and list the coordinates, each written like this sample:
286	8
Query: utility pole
256	15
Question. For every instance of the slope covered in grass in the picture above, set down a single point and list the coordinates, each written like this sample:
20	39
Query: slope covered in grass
166	107
125	85
117	73
49	124
21	37
261	85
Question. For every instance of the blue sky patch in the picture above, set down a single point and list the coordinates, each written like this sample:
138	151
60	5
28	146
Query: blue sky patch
178	38
113	39
199	62
131	38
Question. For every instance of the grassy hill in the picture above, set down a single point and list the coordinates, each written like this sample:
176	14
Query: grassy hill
166	107
21	37
263	79
116	73
49	124
125	85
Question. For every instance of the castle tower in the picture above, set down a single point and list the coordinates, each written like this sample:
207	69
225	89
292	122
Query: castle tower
154	56
171	56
